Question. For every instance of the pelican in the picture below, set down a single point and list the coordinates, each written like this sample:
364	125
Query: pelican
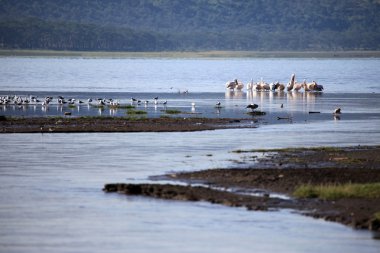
298	86
235	85
250	85
252	106
290	85
232	85
279	86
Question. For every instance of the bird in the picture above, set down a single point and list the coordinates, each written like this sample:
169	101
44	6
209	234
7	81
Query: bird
252	106
218	105
337	111
282	105
165	103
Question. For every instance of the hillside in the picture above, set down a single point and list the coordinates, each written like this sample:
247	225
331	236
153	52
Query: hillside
157	25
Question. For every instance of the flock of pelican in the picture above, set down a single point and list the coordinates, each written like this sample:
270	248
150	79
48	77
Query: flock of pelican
276	86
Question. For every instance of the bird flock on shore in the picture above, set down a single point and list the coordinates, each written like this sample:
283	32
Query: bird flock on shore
292	85
60	100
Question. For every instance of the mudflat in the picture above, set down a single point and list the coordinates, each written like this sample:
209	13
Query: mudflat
270	182
111	124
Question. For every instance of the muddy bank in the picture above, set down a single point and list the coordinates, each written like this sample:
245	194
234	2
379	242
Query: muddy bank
112	124
199	193
284	170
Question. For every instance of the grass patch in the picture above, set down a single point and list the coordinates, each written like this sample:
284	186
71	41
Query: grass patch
325	149
72	106
194	54
377	216
122	107
165	117
136	112
172	111
256	113
333	192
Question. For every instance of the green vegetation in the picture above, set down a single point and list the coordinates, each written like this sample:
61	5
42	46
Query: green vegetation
326	149
121	106
192	54
332	192
377	216
136	112
190	25
171	111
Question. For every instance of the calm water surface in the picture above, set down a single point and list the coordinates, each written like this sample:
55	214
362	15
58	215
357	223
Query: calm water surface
172	75
50	184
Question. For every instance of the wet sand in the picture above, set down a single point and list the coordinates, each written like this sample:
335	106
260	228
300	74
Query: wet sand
112	124
280	171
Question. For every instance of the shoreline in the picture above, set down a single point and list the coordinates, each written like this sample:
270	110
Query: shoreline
280	172
113	124
193	54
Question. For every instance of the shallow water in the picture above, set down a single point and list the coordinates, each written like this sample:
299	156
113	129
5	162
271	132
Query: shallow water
52	201
50	184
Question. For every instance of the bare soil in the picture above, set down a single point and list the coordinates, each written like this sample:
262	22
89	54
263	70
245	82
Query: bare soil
284	170
111	124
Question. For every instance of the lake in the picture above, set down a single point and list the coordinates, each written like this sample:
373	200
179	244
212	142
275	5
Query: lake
50	184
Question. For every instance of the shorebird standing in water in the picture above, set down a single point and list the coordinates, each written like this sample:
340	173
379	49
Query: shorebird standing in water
337	111
252	106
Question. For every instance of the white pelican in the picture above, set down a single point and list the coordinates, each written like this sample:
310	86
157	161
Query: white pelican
290	85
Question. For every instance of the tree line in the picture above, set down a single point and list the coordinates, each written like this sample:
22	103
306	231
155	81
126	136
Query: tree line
163	25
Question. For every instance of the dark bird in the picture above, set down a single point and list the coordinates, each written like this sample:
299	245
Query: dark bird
337	111
252	106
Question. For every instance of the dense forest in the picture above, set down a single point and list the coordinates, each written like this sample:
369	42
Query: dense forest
187	25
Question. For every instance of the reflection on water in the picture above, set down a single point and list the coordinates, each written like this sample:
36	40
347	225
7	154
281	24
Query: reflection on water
50	184
233	104
51	199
